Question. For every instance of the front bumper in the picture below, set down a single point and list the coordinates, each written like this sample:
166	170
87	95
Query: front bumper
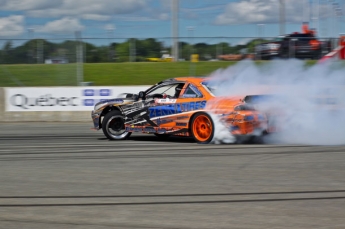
95	118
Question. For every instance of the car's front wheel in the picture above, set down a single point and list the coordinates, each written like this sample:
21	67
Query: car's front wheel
113	126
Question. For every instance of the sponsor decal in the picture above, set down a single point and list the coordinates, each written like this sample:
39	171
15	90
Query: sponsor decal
181	124
96	92
146	129
177	108
149	130
160	121
27	99
182	117
89	92
89	102
104	92
24	102
165	100
134	129
189	96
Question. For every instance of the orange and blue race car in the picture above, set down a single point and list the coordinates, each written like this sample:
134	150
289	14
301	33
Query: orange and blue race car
181	107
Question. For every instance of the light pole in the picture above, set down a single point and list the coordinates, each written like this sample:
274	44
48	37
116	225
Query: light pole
174	28
190	30
31	32
111	52
282	16
79	59
337	14
132	50
261	31
305	11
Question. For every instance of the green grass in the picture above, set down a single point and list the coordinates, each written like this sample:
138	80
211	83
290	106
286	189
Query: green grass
140	73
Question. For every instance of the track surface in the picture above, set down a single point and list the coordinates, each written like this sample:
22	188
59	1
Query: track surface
67	176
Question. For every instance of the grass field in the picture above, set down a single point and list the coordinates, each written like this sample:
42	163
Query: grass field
140	73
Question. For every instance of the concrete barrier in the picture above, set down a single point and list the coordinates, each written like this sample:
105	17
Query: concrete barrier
41	116
2	104
32	115
47	116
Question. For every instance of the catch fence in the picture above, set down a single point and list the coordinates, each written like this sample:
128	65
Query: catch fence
69	54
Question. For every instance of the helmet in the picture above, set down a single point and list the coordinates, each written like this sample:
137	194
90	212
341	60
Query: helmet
178	89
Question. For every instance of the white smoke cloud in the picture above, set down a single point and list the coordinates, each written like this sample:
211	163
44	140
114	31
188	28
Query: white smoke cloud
311	104
24	5
63	25
258	11
221	133
12	25
88	9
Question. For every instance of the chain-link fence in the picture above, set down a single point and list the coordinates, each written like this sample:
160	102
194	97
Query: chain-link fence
62	59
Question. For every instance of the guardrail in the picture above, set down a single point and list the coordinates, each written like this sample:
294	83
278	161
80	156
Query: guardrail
55	104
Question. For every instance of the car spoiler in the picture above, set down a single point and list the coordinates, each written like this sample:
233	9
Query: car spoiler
255	99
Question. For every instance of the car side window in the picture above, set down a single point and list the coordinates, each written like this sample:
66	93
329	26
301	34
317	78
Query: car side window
191	92
171	90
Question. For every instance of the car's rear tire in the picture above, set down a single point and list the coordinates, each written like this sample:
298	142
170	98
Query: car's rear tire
202	127
113	126
258	139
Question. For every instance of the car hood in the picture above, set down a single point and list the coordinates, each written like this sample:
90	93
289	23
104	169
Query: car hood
113	102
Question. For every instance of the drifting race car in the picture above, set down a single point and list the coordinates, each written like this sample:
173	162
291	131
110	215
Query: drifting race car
178	106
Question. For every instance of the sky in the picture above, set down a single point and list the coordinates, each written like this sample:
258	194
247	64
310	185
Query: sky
121	19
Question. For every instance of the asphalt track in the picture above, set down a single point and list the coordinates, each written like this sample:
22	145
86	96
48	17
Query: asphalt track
68	176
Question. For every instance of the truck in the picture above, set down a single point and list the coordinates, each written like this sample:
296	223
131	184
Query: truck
294	45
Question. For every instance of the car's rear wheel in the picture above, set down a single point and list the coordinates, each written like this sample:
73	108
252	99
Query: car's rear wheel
113	126
258	139
202	127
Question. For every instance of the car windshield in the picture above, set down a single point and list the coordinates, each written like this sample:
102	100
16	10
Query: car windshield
171	90
168	89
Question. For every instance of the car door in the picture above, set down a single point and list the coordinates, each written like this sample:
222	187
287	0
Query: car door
189	101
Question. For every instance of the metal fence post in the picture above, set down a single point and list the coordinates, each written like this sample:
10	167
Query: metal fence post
79	58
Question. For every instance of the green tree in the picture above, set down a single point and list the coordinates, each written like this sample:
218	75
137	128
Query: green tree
7	53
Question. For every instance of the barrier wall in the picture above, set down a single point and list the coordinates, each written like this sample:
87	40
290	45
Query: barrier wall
74	104
55	104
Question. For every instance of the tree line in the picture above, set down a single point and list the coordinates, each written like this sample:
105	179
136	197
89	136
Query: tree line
38	50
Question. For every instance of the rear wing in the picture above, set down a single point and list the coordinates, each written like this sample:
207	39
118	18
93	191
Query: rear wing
255	99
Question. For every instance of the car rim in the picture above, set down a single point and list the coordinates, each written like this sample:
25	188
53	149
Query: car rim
116	127
202	128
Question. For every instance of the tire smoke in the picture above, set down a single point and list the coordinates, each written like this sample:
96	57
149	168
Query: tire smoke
309	101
